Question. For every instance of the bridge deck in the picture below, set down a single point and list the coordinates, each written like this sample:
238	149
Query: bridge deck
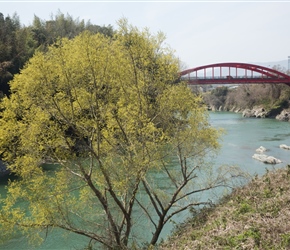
239	80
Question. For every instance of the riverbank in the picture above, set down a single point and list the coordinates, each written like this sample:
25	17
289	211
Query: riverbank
255	216
259	101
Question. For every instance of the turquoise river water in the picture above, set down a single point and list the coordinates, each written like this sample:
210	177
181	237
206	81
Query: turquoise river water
243	136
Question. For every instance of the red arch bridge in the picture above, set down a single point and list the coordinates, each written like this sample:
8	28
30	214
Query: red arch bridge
233	73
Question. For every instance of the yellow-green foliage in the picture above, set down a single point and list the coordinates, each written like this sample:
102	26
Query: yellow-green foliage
105	111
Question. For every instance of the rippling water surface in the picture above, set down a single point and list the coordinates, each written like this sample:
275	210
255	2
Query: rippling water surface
244	135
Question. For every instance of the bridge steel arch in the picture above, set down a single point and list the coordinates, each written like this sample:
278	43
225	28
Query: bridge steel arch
215	74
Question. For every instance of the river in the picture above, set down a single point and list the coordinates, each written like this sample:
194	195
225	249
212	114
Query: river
242	137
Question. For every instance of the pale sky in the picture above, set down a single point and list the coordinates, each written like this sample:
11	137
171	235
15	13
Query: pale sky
201	32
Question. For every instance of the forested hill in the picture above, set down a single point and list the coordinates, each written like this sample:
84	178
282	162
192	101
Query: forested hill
18	42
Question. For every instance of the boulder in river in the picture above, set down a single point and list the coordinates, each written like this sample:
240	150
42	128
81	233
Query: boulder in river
266	159
284	146
261	149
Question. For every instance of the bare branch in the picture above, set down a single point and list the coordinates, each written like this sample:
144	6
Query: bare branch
151	198
184	208
147	213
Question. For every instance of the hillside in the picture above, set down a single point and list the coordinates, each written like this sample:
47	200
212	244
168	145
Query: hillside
272	99
252	217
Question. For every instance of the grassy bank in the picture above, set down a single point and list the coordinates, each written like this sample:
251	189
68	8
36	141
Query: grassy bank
255	216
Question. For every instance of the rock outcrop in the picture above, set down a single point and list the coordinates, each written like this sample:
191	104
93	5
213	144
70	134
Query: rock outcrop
284	115
258	112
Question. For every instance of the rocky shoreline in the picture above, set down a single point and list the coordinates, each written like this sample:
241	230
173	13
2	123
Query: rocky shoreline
257	112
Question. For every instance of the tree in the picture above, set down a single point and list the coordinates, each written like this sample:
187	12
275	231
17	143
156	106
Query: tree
105	111
18	43
9	51
60	26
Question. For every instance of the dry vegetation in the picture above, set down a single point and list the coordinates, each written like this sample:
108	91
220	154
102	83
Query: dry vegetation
252	217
